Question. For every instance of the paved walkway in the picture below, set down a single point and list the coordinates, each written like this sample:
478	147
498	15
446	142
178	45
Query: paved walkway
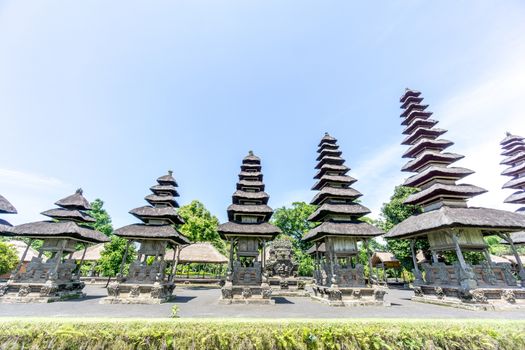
203	302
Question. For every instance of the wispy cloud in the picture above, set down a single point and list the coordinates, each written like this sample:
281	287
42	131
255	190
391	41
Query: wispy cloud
30	193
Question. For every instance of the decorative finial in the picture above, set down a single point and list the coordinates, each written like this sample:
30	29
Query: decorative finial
508	133
170	172
326	133
250	153
79	191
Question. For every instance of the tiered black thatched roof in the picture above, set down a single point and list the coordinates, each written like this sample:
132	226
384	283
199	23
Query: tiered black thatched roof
70	221
443	200
435	178
5	208
159	217
249	213
514	150
338	211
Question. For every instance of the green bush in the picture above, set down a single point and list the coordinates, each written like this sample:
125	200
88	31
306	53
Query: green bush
260	334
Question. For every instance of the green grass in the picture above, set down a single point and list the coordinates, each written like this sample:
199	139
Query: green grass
97	333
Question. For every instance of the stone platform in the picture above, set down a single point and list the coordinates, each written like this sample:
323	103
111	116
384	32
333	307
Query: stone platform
246	294
349	296
288	287
476	299
134	293
34	292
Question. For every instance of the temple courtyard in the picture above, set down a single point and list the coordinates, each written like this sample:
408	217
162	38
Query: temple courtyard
203	302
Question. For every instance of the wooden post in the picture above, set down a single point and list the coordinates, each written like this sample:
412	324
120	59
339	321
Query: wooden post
459	253
174	262
124	257
487	256
417	273
58	257
21	262
521	270
82	260
369	258
434	256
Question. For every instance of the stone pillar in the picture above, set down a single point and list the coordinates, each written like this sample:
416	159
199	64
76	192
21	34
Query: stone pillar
417	274
435	258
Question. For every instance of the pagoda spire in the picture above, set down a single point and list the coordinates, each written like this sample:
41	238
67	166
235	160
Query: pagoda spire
434	176
514	149
6	208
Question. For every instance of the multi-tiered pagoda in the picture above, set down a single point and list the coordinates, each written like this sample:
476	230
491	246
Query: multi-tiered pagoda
52	275
247	231
514	152
146	282
448	223
5	208
339	277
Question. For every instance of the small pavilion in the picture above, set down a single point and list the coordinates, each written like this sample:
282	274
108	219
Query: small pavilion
146	281
339	277
53	275
247	232
21	247
448	223
385	261
202	254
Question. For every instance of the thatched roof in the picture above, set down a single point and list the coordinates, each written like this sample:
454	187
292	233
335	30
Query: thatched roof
146	212
518	157
489	221
167	179
59	229
509	138
93	253
383	257
6	207
143	231
5	228
440	190
499	259
330	160
250	183
154	199
354	229
340	169
433	172
75	201
409	93
512	259
68	214
251	158
249	209
516	198
423	132
413	105
416	123
427	144
320	250
327	139
343	179
334	152
256	174
416	114
515	183
515	170
327	192
262	228
353	210
513	150
20	247
202	252
164	188
426	157
261	195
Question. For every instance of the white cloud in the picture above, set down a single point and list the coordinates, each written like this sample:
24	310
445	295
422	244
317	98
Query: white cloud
30	193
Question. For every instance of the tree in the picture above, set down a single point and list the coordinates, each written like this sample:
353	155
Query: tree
394	212
8	257
103	220
294	223
111	257
200	225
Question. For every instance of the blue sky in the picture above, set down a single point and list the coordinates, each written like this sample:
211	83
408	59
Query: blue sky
108	96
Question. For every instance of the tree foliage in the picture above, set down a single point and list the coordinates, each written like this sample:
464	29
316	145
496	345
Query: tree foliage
200	225
394	212
8	257
294	223
112	255
103	220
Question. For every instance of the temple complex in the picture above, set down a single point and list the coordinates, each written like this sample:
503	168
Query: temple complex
146	282
339	276
448	223
247	232
281	269
53	275
514	151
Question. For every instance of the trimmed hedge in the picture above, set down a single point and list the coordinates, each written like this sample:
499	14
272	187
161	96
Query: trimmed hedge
259	334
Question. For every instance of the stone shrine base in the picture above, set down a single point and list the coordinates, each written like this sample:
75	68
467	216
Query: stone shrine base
350	296
246	294
288	287
40	292
475	299
139	293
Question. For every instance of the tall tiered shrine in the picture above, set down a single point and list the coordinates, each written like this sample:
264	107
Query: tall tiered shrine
247	231
448	223
6	208
146	281
53	275
339	277
514	151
